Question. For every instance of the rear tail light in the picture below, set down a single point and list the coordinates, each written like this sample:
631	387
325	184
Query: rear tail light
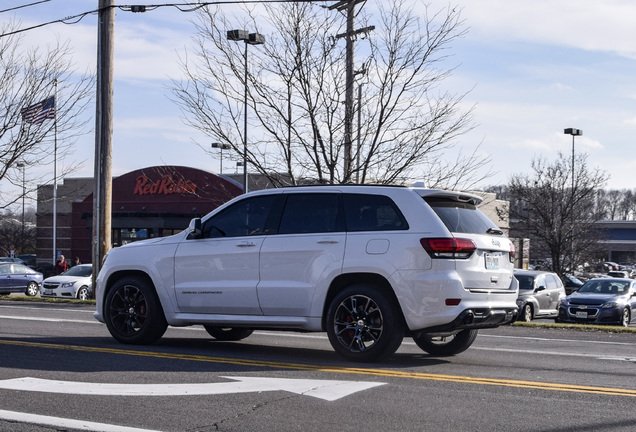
513	252
450	248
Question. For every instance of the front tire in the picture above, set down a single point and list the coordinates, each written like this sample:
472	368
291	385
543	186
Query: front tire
364	324
133	313
32	289
228	334
526	313
627	318
448	345
82	293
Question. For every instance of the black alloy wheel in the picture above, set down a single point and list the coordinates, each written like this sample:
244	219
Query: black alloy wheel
364	324
133	313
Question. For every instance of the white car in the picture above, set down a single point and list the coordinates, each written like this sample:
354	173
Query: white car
367	264
76	283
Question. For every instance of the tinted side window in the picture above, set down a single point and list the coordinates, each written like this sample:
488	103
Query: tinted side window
372	213
245	218
311	213
461	217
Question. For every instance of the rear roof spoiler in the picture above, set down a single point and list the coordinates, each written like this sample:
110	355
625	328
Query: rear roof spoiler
452	195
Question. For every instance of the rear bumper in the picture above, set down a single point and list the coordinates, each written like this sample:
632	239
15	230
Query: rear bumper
477	319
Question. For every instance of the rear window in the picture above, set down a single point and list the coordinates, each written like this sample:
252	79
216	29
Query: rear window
461	217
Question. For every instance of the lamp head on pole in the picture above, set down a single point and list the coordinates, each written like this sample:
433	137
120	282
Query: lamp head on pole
256	39
573	131
238	35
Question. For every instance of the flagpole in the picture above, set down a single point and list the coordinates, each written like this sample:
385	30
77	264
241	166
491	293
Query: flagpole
55	178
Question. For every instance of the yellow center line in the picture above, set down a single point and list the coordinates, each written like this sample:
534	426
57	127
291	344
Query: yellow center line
337	369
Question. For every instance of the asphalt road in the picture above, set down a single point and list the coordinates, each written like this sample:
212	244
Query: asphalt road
61	370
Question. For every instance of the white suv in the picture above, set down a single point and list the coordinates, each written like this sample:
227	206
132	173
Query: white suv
367	264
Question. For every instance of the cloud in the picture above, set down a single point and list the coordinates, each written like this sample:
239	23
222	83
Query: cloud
584	24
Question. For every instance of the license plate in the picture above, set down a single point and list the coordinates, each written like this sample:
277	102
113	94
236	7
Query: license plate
492	261
581	314
48	292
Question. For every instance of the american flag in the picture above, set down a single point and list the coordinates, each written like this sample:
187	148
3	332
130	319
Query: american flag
40	111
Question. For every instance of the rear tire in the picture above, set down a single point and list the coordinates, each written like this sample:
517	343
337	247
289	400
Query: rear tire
133	313
446	346
32	289
228	334
364	324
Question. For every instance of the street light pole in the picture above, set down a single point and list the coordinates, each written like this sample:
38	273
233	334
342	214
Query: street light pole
221	147
249	39
574	132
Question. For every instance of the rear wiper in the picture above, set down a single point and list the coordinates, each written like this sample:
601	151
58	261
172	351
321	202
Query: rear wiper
494	231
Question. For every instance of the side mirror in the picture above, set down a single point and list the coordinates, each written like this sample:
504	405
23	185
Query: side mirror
194	228
540	288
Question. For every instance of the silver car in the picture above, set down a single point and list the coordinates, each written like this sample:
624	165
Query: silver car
73	283
540	293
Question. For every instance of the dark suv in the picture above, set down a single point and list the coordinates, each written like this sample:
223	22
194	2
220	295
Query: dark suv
366	264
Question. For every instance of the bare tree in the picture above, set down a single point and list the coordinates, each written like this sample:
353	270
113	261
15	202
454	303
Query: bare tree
296	88
559	216
617	204
28	77
17	232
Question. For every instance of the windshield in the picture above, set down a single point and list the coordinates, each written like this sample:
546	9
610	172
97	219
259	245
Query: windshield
83	271
611	287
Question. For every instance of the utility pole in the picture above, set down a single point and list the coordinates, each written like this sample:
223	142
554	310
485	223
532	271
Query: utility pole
349	6
102	196
349	92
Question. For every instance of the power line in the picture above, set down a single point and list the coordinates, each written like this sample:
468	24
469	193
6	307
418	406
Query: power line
143	8
23	6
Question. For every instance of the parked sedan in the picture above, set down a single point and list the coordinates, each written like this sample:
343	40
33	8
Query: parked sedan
601	301
540	293
76	282
19	278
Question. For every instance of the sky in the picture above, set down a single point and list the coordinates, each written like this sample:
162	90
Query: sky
531	69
